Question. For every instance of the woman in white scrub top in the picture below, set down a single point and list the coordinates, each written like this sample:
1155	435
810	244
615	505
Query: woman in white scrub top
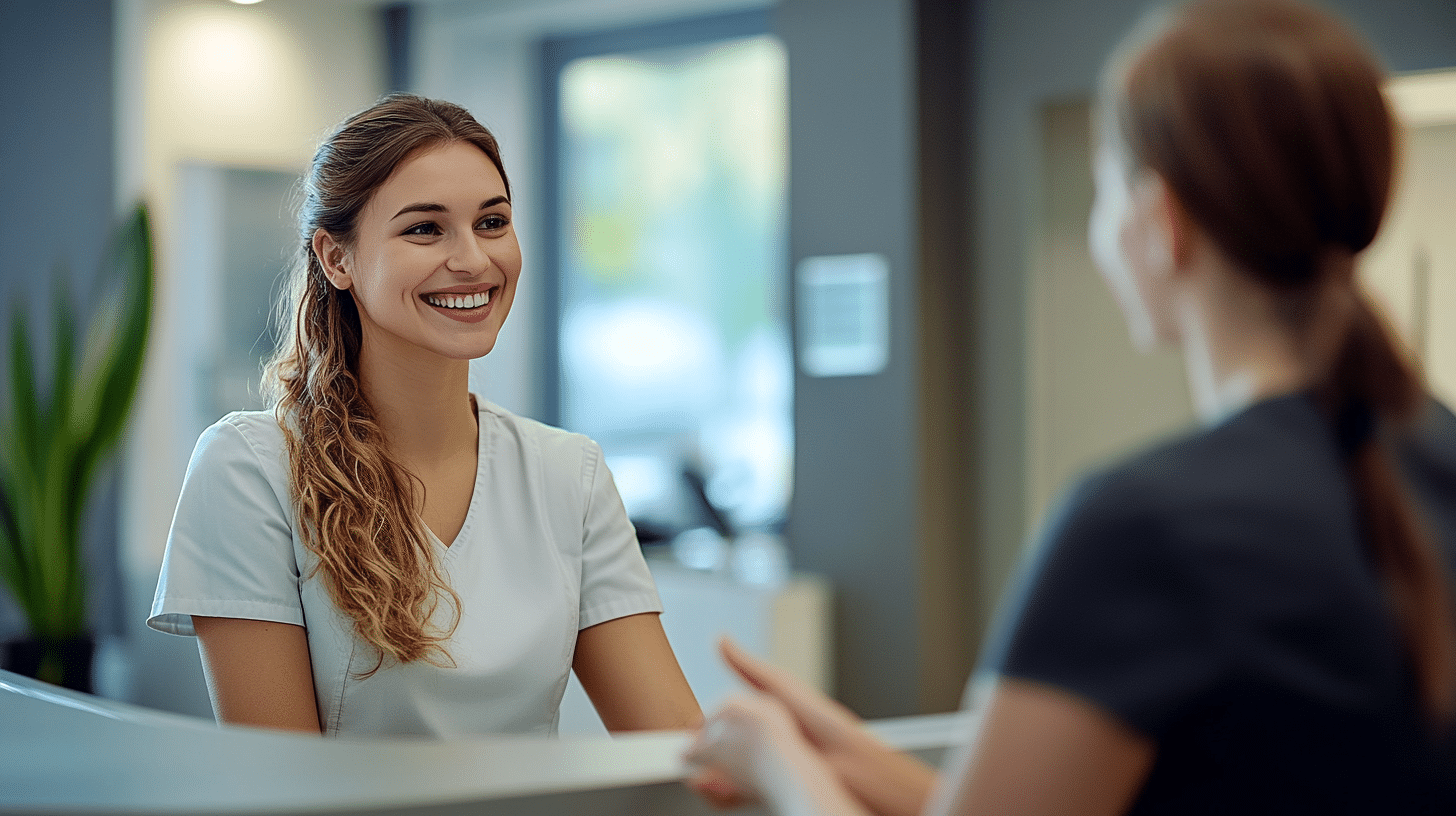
384	552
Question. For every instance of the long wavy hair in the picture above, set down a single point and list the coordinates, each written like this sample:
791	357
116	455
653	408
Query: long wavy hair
1267	121
357	509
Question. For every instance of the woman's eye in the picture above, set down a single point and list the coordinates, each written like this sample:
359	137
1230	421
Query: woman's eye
493	222
426	228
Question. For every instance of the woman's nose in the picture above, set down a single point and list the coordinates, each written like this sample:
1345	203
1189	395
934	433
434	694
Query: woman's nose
468	255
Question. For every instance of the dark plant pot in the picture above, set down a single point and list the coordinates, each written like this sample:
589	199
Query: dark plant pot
65	662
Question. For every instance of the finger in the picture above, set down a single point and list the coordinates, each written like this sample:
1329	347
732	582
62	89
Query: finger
803	700
722	731
721	799
705	738
718	788
759	674
721	756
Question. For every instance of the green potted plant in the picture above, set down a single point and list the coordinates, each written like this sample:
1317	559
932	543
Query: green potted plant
56	427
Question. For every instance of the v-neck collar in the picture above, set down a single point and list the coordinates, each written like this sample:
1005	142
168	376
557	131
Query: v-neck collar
481	431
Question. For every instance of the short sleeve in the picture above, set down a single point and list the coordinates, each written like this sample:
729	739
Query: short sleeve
230	551
615	581
1107	611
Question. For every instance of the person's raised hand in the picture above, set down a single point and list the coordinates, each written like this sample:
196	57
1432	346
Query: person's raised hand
826	724
883	779
729	748
752	749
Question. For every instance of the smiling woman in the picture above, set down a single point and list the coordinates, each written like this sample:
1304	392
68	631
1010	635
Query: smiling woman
436	233
385	552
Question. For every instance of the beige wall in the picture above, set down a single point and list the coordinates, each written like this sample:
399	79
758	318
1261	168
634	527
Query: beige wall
1090	394
1412	265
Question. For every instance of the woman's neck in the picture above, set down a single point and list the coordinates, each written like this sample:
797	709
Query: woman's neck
1236	348
423	405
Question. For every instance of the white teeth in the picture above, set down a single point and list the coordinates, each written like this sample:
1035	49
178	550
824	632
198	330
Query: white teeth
470	301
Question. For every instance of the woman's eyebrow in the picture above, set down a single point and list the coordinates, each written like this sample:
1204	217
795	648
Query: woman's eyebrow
422	207
430	207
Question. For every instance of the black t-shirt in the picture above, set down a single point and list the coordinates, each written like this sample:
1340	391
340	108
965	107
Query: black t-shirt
1215	595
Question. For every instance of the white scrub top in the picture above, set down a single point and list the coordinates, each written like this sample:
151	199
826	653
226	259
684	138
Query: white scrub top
546	550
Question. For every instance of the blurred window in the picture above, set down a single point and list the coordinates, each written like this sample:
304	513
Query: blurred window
237	235
673	343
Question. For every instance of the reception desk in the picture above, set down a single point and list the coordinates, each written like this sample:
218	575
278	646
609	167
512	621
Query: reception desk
68	753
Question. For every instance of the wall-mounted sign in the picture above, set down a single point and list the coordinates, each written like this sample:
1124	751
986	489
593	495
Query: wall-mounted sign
844	315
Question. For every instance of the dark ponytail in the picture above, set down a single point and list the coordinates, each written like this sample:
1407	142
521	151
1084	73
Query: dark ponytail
1267	121
1370	387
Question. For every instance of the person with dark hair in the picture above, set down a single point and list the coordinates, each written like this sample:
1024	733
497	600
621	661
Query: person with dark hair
384	552
1253	618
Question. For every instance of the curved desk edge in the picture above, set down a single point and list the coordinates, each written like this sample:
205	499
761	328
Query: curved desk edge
62	752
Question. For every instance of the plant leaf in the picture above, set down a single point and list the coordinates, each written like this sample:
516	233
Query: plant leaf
13	567
21	468
119	371
51	449
60	567
24	401
103	402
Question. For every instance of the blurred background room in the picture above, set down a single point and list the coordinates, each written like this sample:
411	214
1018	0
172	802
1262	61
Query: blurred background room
812	271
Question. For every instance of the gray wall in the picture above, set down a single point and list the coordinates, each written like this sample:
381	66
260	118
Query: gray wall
879	494
55	92
56	177
852	189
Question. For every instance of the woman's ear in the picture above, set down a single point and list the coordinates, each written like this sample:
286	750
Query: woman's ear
1182	233
1147	237
334	259
1168	234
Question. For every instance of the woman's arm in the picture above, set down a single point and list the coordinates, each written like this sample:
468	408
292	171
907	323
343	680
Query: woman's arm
1041	750
884	780
628	670
258	673
1037	751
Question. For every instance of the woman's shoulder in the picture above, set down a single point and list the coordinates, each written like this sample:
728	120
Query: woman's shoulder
513	437
1265	439
1195	515
1275	457
256	428
1431	442
539	465
243	438
1427	455
505	421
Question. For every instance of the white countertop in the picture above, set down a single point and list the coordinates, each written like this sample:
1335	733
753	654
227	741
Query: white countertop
63	752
